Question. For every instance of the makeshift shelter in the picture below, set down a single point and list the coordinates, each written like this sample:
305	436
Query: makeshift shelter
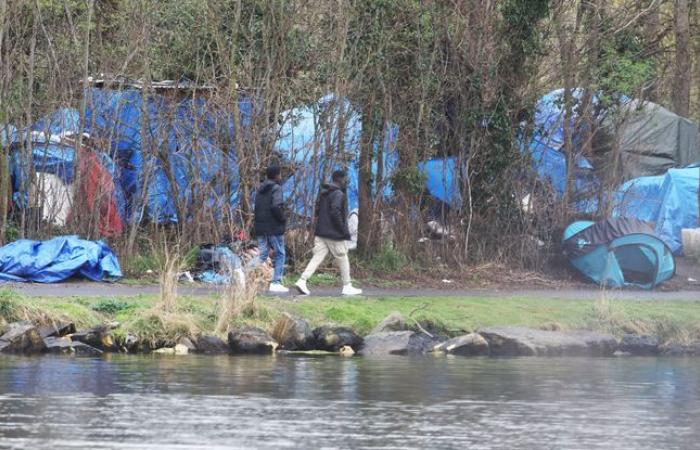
57	259
651	140
442	180
670	201
312	137
545	150
46	181
171	153
619	252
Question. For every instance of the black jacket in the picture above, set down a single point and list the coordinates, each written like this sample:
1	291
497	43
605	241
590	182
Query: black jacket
332	213
269	209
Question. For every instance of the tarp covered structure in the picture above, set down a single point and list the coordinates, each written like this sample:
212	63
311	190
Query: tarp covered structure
652	140
619	252
51	188
162	154
312	137
57	259
169	151
546	151
442	180
670	201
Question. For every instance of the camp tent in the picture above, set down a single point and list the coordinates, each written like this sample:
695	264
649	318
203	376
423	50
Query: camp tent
545	150
189	155
311	137
619	252
442	180
47	181
652	140
670	201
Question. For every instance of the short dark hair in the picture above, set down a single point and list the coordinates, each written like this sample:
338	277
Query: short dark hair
339	175
273	172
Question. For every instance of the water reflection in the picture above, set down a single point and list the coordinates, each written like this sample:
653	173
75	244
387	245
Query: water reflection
276	402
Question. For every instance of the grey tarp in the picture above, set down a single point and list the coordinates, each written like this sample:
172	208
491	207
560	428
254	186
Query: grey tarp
654	139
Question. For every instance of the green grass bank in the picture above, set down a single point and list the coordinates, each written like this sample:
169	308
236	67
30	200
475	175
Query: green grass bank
671	321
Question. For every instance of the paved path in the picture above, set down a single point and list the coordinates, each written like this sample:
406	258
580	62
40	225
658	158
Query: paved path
86	289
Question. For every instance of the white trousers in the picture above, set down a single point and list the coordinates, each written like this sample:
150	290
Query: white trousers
338	249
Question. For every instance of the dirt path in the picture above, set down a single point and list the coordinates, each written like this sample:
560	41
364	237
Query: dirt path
86	289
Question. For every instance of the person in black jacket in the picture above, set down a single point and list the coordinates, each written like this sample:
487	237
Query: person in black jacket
331	233
270	225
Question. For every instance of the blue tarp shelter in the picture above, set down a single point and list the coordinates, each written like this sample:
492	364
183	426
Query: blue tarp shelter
651	141
188	155
310	136
442	180
175	151
545	150
670	201
51	154
57	259
619	252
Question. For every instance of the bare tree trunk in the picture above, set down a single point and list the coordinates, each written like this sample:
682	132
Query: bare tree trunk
77	192
245	164
593	17
696	26
366	212
27	150
4	149
681	83
567	45
138	206
652	27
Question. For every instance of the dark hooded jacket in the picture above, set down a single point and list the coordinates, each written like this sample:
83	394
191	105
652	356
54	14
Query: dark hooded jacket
332	213
269	209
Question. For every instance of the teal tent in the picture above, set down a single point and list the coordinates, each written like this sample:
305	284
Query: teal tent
619	252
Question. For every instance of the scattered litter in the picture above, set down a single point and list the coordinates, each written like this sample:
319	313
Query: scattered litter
149	271
447	281
186	275
692	280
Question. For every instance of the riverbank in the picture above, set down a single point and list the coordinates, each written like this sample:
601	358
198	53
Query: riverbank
674	325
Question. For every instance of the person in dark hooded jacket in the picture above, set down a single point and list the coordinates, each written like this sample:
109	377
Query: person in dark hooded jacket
331	233
270	224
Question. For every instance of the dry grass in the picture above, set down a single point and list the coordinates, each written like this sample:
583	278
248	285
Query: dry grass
163	329
171	265
282	327
236	300
669	325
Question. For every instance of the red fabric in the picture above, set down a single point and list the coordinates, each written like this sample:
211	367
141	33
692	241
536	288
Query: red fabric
97	185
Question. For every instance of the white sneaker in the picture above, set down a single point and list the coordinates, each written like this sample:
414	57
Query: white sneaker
277	288
348	289
301	286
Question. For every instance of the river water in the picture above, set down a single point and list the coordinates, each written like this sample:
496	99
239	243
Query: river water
169	402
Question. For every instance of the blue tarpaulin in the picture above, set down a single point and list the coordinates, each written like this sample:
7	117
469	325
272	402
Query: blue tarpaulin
57	259
670	201
442	177
188	157
188	141
53	156
310	137
545	151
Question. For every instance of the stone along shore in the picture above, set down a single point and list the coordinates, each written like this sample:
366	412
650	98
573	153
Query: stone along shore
292	335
